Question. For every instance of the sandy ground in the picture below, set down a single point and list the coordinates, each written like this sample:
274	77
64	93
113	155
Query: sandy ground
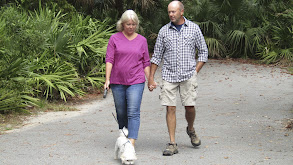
242	112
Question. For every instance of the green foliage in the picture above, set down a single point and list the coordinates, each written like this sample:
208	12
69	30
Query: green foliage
216	47
112	10
57	5
213	33
43	56
245	28
278	44
10	100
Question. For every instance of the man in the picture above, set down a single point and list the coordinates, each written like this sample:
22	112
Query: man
176	44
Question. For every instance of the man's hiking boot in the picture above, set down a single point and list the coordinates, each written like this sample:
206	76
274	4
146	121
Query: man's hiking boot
170	149
195	141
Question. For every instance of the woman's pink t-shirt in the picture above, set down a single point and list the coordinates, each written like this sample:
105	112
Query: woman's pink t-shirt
129	59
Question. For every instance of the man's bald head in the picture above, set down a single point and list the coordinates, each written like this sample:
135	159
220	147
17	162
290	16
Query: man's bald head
175	12
177	4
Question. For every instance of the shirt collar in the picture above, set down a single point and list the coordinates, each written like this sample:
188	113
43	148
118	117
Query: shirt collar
186	23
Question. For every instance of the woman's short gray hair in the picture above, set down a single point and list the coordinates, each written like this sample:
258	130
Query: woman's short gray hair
126	16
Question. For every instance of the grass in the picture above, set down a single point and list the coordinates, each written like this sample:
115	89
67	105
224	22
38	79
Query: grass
14	120
10	121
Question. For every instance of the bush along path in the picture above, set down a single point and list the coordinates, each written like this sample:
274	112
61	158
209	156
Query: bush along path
244	113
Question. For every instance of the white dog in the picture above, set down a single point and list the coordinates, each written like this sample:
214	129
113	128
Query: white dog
123	144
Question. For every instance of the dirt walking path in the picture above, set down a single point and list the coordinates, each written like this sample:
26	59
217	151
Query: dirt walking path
242	112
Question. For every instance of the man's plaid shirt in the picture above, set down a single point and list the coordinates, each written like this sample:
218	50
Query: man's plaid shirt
178	50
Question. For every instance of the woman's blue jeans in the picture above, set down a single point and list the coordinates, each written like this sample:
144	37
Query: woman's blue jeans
127	100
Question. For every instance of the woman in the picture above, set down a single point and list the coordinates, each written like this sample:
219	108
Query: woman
127	65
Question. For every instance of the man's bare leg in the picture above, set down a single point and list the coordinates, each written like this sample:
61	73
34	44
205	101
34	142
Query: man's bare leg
171	122
190	116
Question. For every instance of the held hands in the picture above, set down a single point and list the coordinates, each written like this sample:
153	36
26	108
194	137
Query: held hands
152	85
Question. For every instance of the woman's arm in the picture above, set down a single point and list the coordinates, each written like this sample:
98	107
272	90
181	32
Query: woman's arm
108	74
147	72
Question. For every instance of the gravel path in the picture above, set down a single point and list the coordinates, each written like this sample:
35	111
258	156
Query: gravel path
242	112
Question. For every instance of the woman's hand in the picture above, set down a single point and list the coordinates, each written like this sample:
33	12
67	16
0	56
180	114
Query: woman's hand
108	73
152	85
107	84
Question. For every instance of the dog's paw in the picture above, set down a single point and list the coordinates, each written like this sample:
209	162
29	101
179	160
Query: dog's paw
127	161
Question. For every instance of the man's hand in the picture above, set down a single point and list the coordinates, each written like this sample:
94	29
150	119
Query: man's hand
152	85
199	65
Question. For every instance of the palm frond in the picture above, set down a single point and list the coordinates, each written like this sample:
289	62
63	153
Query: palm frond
270	57
211	29
216	48
10	101
287	54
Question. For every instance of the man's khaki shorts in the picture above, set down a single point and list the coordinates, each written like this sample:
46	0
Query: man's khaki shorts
187	90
